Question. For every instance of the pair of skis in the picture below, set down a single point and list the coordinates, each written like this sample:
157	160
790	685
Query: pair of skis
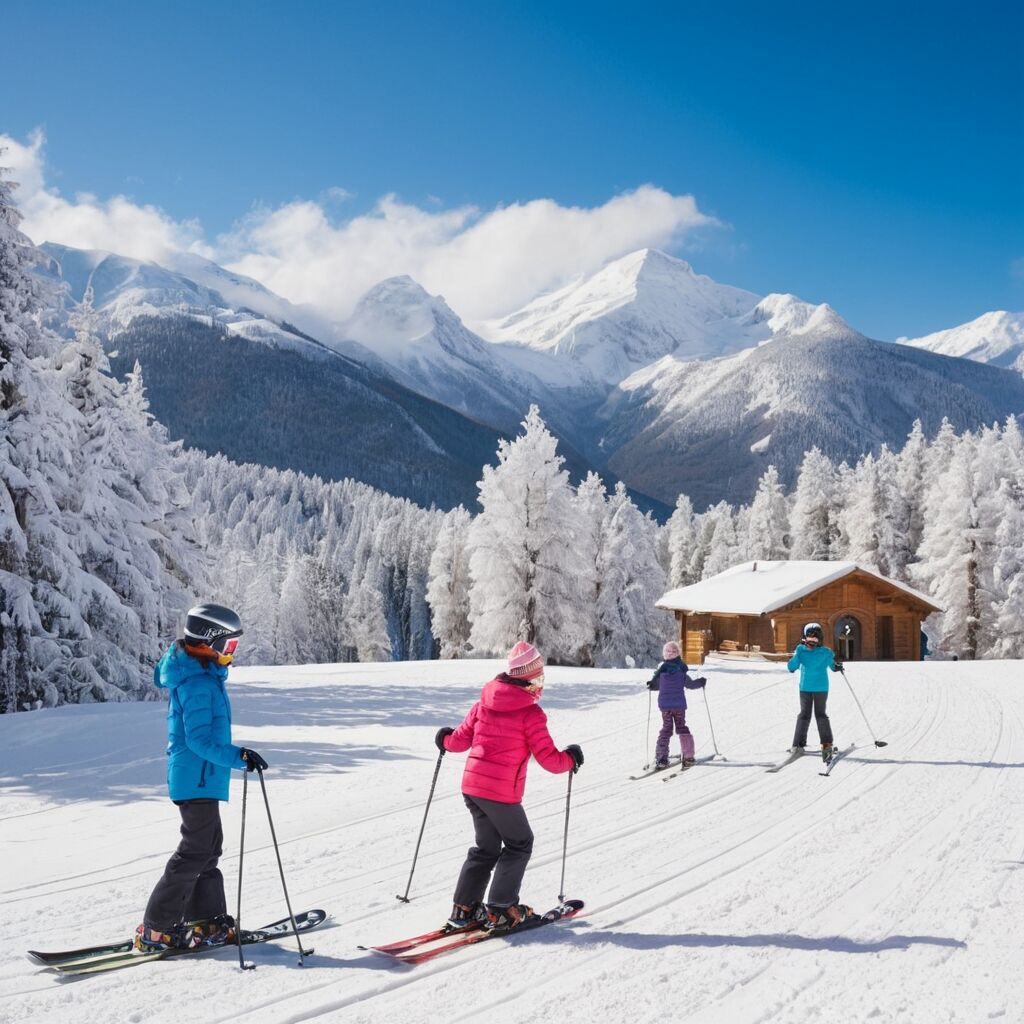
796	755
673	762
117	955
422	948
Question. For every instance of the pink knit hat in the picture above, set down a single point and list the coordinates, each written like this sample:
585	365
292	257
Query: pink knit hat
671	650
524	661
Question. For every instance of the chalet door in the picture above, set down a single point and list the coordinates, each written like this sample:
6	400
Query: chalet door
847	638
886	648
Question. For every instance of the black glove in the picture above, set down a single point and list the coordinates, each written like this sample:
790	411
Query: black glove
837	666
654	684
702	680
440	737
253	761
573	750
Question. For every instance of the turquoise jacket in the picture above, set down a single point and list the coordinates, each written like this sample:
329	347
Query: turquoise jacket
814	663
200	754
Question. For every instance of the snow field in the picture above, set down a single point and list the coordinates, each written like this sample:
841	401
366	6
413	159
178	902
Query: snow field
889	891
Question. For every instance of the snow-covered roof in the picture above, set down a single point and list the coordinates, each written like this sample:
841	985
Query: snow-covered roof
755	588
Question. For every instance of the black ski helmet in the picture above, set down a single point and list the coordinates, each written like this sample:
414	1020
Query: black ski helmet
814	629
212	625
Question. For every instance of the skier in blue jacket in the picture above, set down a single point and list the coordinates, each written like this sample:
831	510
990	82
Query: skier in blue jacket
187	908
814	660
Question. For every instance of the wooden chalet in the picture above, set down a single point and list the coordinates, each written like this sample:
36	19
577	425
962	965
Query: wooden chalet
759	609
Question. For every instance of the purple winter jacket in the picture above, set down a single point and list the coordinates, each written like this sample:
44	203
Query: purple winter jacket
672	680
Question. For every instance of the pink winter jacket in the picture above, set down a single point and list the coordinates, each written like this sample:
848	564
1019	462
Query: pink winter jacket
500	732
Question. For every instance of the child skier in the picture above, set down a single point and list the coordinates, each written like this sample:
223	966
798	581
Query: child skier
671	681
503	728
813	659
187	908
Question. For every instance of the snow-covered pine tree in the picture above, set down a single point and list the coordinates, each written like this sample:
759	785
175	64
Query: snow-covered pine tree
767	533
632	579
591	502
866	520
718	539
682	542
813	515
955	558
907	497
448	589
523	560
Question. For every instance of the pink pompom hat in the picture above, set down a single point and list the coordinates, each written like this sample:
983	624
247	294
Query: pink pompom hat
671	650
525	661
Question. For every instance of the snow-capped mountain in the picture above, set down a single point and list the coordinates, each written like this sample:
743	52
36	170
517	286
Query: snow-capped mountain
655	373
996	338
648	305
125	288
401	329
711	428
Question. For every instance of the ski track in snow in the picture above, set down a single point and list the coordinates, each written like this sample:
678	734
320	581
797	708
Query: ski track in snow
889	891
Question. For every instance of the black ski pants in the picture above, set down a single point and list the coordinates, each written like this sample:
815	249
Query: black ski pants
815	701
504	843
192	887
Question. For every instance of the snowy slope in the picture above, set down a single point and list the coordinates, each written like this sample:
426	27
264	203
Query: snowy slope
126	289
648	305
996	338
888	892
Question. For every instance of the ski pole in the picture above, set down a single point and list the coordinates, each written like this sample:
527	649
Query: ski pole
426	810
565	836
707	708
878	742
280	868
647	735
241	861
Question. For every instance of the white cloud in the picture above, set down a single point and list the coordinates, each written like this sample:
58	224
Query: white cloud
485	263
118	224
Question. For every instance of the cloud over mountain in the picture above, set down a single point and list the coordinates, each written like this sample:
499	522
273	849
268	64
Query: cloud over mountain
486	263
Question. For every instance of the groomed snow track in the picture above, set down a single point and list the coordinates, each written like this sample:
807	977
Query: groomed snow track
889	891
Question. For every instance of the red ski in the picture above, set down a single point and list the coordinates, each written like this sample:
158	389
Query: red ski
409	951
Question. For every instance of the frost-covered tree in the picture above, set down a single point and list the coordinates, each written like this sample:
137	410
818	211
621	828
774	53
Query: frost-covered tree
718	538
682	542
591	508
866	520
448	589
632	579
956	554
523	560
813	515
767	527
89	582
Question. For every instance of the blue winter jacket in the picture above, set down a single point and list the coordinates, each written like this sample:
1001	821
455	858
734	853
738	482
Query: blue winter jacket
200	754
814	663
672	681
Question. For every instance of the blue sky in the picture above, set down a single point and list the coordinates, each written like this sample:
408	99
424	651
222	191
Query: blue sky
870	155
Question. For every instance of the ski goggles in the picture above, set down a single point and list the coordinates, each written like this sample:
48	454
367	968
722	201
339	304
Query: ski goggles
221	651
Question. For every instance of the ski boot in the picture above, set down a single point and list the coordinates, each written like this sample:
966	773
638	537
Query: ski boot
796	750
217	931
466	915
689	762
661	764
148	940
506	918
827	750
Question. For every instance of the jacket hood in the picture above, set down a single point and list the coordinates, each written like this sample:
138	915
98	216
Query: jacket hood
177	667
503	695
